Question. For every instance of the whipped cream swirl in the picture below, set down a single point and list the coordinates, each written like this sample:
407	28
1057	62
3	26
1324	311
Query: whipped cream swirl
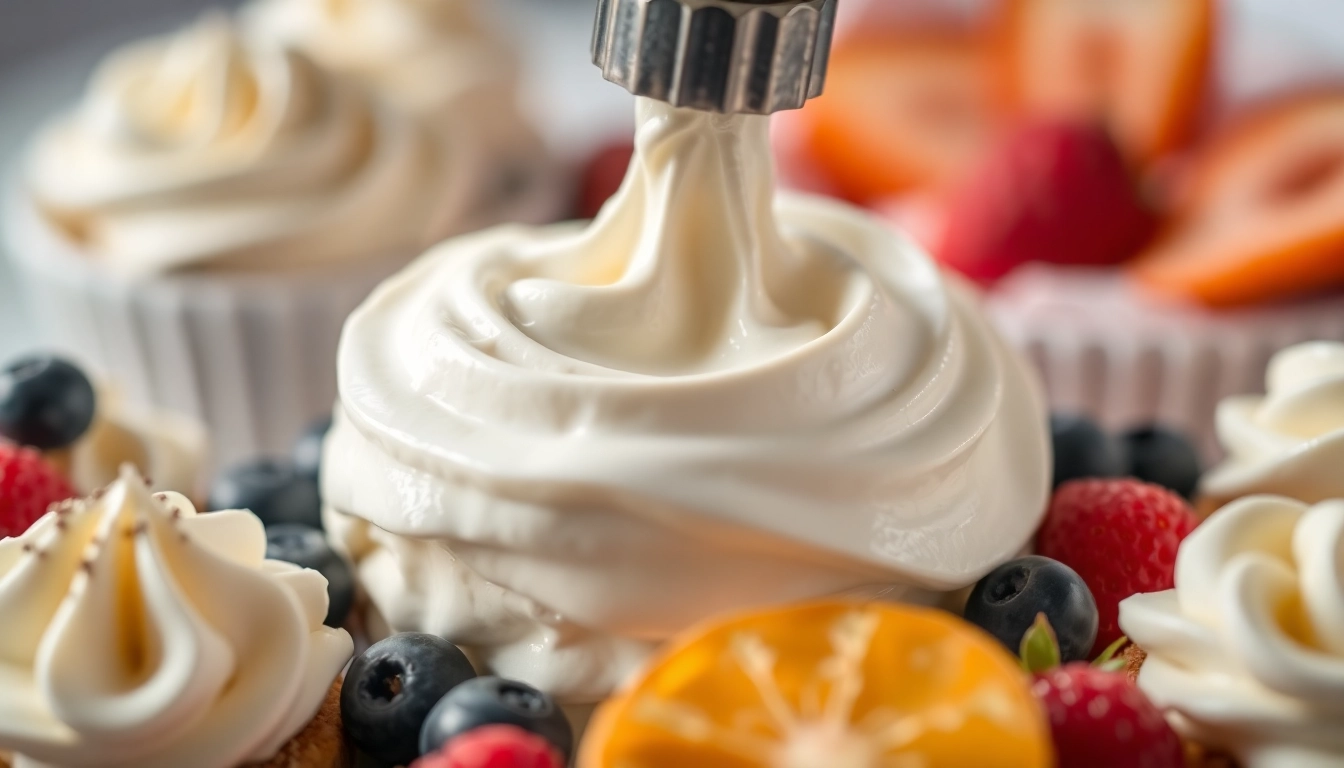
204	149
1290	441
1247	652
137	632
422	54
705	401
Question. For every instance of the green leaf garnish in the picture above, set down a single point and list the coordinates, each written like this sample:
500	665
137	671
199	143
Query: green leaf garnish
1040	647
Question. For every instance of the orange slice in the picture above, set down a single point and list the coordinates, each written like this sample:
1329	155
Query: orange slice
1141	65
1264	217
900	114
836	684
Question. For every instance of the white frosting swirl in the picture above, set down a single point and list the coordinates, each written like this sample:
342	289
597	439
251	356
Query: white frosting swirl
205	149
1291	441
139	633
1248	650
423	54
703	402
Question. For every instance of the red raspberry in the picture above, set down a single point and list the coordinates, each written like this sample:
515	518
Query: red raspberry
1100	719
1121	536
1057	192
28	485
494	746
602	176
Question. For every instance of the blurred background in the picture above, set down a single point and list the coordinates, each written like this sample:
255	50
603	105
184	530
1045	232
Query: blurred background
49	47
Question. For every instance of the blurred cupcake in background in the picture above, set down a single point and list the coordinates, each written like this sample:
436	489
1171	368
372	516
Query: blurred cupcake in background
442	60
200	224
1150	199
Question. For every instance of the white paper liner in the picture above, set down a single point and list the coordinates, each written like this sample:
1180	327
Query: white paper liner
1107	349
253	356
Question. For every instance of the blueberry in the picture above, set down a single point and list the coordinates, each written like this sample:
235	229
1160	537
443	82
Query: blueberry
307	547
274	491
1083	449
1005	604
1163	457
45	402
307	453
496	701
392	686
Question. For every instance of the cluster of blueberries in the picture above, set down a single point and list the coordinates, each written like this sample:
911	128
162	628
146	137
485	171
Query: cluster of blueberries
1005	603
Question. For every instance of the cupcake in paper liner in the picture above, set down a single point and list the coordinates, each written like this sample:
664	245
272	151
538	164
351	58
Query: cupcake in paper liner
200	224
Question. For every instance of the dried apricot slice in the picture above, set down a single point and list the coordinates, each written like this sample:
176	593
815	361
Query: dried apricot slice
837	684
1264	215
1141	65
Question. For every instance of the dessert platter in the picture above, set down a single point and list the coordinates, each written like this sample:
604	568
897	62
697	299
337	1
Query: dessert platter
727	476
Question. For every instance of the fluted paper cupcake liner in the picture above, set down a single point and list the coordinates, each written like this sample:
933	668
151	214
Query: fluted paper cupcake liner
1106	348
253	356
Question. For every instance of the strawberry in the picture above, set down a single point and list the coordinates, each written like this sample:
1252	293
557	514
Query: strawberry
28	485
494	746
1057	192
1099	719
602	176
1121	536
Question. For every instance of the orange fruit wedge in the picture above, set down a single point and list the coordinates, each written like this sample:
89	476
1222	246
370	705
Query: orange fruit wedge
836	684
1263	217
1140	65
900	113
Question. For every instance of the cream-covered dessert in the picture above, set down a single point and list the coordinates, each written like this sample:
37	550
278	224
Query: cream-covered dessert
168	448
558	447
208	150
423	54
137	632
1291	440
1247	652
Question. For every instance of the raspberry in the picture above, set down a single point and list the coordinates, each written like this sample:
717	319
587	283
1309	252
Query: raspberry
1121	536
1057	192
1099	719
494	746
28	485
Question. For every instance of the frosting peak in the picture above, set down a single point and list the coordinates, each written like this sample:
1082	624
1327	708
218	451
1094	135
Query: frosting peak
1248	650
140	633
1291	440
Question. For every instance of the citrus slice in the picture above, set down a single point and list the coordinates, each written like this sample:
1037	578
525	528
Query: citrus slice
900	114
1141	65
1262	218
836	684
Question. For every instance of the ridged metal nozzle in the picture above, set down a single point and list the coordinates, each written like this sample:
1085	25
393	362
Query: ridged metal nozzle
730	56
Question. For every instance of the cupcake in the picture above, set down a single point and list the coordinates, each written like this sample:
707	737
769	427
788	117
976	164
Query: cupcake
559	447
444	61
198	227
1245	652
1153	267
141	633
1290	441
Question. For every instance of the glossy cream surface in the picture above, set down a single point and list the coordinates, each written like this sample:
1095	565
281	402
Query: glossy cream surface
1247	652
560	446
